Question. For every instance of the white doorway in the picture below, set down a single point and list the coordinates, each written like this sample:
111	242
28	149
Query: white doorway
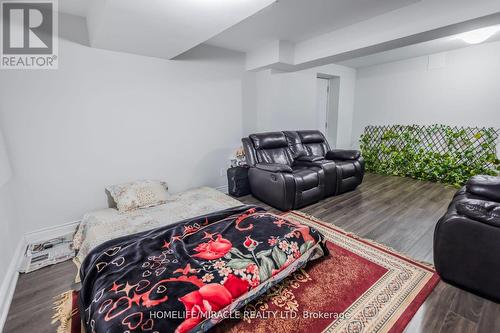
327	106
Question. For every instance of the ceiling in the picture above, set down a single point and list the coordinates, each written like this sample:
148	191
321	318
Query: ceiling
285	34
297	20
162	28
416	50
74	7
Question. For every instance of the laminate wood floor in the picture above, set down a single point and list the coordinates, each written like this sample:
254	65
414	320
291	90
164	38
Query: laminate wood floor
398	212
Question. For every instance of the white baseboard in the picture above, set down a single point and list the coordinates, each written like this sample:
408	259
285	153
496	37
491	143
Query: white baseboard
8	285
10	280
223	189
51	232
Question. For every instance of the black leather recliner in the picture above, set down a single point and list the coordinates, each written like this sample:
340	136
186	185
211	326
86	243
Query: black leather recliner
292	169
314	155
349	165
273	176
467	238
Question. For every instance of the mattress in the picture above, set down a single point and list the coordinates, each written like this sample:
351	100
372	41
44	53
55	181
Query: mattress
189	276
103	225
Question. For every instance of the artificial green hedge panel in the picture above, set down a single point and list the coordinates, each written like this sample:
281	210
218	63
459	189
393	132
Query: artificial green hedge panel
437	153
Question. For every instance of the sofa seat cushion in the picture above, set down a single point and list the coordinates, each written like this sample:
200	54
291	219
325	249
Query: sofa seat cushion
329	169
273	167
306	178
347	167
310	158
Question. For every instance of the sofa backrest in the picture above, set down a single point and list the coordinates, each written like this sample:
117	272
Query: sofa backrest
271	147
313	142
295	143
283	147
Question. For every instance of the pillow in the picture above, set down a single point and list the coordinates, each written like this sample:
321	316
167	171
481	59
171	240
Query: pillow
138	194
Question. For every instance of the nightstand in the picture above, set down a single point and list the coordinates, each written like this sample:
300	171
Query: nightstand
237	181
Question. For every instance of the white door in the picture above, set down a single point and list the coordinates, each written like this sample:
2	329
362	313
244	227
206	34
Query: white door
333	111
327	107
322	105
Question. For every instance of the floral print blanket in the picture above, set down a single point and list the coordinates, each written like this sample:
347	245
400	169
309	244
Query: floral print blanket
189	276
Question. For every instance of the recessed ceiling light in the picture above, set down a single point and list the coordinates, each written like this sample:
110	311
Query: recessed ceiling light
479	35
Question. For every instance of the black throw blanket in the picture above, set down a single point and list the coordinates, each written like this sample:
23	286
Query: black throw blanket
175	278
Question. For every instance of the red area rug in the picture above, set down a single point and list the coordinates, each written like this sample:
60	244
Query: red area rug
361	287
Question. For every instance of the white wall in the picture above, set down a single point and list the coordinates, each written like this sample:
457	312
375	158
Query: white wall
8	231
5	169
464	92
10	235
287	101
105	117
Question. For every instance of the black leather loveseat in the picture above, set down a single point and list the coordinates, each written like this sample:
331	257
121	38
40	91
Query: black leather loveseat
467	238
292	169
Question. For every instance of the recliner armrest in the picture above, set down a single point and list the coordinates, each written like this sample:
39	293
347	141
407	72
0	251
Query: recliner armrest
342	154
274	167
310	158
484	186
484	211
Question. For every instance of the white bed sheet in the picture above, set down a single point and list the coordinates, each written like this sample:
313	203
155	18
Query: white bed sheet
102	225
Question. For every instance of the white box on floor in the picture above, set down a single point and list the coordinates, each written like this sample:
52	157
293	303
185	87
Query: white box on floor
46	253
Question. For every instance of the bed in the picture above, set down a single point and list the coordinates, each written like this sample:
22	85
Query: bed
103	225
190	275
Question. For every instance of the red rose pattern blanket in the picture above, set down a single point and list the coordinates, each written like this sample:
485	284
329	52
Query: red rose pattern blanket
189	276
